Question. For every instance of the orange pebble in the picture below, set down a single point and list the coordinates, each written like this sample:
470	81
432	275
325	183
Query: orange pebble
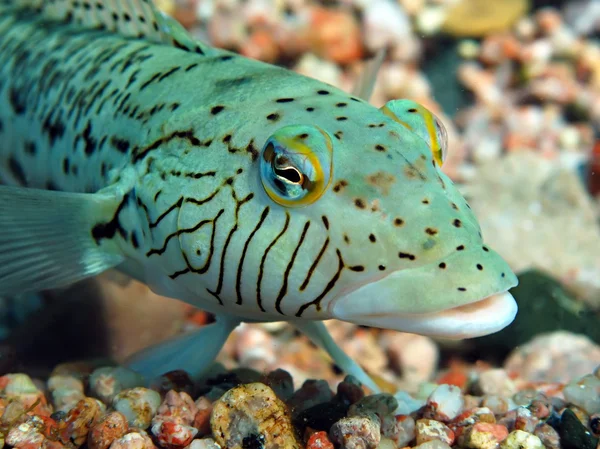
336	35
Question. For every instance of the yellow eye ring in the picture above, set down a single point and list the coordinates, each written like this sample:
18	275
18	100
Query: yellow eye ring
422	122
296	165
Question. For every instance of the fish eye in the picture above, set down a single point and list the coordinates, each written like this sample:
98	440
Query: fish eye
421	121
296	165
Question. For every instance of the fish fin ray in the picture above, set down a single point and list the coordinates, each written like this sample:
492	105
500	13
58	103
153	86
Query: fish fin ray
318	333
193	352
366	81
46	239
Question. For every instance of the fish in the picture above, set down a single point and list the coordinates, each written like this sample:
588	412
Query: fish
239	187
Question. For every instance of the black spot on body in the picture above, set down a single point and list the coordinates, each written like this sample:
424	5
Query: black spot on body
273	117
17	170
119	144
479	267
323	92
372	238
216	109
460	248
462	289
30	147
442	265
408	256
380	148
284	100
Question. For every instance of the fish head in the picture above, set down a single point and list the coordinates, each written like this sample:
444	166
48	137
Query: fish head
396	245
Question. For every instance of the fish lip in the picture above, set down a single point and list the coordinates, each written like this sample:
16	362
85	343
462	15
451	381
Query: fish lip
476	319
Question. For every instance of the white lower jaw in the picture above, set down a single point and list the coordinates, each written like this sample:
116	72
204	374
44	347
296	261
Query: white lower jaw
479	318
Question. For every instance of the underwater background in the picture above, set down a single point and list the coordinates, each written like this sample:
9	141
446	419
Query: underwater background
517	85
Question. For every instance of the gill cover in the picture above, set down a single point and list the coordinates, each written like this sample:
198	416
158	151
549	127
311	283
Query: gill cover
296	165
422	122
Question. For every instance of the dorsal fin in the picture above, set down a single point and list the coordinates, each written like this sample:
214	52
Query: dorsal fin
366	81
129	18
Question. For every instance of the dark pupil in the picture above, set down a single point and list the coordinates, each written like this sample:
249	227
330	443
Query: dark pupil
290	174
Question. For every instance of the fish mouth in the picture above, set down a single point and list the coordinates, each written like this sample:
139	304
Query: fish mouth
455	303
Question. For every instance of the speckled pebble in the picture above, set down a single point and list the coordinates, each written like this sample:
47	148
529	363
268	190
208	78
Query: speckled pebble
79	420
428	429
433	444
108	381
519	439
483	436
133	440
319	440
177	406
25	436
139	405
357	432
252	412
107	429
400	428
173	434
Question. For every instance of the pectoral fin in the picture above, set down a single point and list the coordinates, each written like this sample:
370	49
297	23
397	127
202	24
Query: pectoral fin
46	238
193	352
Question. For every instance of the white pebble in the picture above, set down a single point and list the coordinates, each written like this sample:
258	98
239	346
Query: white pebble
447	400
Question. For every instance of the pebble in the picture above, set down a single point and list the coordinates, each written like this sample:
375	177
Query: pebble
311	393
400	428
357	432
336	35
139	405
445	403
66	391
205	443
281	383
585	393
177	406
548	436
107	429
414	356
172	434
433	444
573	434
496	382
252	412
133	440
202	418
108	381
483	436
80	419
428	429
378	404
519	439
319	440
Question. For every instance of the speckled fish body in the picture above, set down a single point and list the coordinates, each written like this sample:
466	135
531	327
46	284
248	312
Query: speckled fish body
167	144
